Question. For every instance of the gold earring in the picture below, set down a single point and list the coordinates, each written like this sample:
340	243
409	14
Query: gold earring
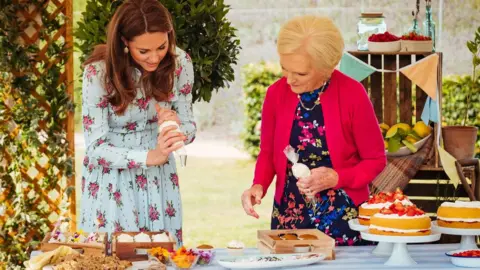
125	50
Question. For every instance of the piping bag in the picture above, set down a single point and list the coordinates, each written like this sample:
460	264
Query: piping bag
181	152
299	170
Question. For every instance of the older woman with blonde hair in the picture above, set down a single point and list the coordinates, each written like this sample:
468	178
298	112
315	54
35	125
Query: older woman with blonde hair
328	119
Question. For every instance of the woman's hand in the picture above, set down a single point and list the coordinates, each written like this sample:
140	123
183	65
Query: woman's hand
320	179
166	144
251	197
164	114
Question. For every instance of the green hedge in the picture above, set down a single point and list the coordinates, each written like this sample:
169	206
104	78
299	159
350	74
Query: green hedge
455	89
257	78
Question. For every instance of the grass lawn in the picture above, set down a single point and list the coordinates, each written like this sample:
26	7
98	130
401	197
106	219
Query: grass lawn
212	211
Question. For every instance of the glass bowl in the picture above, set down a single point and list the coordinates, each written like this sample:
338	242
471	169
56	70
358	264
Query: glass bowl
183	264
205	256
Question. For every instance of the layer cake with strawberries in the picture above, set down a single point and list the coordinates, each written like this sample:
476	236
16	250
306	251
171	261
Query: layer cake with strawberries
400	218
377	202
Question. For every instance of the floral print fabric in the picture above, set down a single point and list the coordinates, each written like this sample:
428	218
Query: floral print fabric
332	208
119	192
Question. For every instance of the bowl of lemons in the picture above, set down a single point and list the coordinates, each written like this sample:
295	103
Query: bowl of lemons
402	139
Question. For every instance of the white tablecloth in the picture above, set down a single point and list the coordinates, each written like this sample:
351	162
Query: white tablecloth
431	256
426	256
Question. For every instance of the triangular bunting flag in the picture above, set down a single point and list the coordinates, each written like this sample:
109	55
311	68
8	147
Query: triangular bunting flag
430	111
355	68
448	163
424	74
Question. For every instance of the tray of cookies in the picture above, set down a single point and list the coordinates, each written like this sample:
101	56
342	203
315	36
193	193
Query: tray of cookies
296	241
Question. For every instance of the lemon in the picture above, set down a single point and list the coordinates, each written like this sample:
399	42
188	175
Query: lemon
391	132
421	129
405	127
411	139
394	129
384	126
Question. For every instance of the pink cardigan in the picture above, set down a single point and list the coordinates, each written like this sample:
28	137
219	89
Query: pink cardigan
354	138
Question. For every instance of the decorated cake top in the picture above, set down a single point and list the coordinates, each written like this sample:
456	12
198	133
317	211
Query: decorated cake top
400	209
382	198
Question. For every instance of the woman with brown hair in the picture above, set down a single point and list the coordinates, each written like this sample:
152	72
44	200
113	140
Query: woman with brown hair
132	84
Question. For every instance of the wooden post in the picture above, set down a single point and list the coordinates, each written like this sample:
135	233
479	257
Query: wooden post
405	92
390	90
376	93
68	4
364	58
421	96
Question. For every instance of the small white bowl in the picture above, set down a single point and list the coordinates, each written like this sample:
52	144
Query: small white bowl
390	46
302	248
235	251
463	261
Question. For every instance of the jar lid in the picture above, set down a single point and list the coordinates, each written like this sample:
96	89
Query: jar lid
372	15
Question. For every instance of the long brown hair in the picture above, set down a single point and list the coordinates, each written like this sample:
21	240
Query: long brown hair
134	18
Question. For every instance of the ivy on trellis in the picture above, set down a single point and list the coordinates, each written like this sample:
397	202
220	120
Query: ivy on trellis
36	160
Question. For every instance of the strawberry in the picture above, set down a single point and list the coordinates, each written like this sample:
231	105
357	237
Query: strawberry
468	253
415	36
385	37
386	211
411	212
399	207
419	211
401	213
399	197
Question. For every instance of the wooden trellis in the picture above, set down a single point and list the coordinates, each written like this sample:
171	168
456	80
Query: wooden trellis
61	11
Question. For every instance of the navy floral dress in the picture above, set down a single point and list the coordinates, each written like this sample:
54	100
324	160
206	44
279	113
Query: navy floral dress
332	208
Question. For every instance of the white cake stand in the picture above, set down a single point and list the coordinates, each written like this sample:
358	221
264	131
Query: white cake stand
382	248
400	256
468	235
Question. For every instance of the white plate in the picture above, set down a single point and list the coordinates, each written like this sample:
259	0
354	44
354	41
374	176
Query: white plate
400	255
382	248
356	226
260	261
468	240
455	231
463	261
434	236
404	151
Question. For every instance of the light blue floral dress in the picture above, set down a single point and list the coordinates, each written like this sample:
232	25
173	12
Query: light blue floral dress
119	193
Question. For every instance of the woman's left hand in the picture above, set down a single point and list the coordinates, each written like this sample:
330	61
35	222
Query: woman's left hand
166	115
320	179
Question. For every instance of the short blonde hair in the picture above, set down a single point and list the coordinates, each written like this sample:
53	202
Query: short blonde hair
315	35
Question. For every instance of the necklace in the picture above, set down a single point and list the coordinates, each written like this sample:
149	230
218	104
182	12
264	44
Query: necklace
316	101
